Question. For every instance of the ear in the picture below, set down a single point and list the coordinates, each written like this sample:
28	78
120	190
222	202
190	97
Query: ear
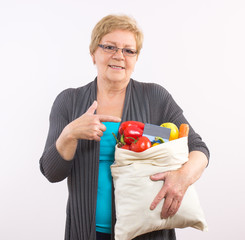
93	58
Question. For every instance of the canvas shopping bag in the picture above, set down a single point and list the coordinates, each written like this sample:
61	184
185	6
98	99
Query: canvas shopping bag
135	191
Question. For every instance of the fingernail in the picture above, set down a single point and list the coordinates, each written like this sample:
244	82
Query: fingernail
163	216
152	207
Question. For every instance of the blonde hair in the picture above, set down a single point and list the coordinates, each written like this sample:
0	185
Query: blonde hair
115	22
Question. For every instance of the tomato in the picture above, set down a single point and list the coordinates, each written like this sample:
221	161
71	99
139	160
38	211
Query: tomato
127	147
141	144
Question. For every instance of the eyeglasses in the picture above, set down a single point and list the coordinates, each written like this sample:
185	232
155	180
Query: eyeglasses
112	49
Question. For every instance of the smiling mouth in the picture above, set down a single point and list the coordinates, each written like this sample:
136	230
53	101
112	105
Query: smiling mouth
116	67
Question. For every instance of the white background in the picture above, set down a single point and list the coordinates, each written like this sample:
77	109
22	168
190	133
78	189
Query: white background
194	48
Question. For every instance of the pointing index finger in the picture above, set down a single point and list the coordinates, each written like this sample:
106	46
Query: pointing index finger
107	118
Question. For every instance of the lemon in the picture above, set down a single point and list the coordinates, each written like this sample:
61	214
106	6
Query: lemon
155	144
174	134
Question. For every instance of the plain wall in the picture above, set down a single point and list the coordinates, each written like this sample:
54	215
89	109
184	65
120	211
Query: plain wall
193	48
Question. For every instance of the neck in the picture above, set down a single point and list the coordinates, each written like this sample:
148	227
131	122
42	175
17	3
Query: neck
110	98
111	88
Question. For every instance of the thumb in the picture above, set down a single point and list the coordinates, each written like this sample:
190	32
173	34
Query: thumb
92	108
158	176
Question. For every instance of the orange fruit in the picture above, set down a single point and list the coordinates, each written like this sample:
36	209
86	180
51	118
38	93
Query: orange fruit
174	134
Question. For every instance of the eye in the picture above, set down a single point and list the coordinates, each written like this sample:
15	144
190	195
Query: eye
109	47
130	51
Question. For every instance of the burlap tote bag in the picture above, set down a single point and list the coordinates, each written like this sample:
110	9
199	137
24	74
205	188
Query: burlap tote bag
135	191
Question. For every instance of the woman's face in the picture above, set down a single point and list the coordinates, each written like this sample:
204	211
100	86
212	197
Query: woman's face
115	67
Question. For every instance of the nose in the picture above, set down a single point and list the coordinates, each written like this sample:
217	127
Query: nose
118	54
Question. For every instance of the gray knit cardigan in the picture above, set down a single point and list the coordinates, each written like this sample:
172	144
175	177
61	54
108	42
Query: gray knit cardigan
145	102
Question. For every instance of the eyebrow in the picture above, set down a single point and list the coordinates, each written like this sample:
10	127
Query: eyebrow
126	46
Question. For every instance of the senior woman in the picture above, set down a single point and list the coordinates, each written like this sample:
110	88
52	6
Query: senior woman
80	144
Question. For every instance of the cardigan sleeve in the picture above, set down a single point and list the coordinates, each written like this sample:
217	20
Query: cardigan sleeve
167	110
52	165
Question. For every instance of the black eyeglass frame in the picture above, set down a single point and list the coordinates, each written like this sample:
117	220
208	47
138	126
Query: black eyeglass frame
115	49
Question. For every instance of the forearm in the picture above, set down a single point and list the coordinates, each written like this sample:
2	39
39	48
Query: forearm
52	163
194	167
66	145
53	166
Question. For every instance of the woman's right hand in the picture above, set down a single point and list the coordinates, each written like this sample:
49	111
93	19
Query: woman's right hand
88	126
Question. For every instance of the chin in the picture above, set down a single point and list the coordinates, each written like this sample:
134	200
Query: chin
122	80
118	79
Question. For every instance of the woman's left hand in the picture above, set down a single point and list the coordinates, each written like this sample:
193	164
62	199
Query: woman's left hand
177	182
173	190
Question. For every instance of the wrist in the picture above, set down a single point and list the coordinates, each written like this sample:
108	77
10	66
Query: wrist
66	145
187	175
68	135
194	167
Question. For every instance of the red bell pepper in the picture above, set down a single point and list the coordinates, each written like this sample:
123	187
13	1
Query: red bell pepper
126	124
132	133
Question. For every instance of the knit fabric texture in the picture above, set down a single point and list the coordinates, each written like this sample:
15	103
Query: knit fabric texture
145	102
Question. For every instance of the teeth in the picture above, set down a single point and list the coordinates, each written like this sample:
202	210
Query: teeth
117	67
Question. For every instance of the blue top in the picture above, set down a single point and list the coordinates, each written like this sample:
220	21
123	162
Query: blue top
107	150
